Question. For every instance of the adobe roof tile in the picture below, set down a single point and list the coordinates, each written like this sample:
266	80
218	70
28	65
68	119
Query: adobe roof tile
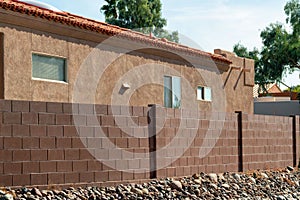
101	27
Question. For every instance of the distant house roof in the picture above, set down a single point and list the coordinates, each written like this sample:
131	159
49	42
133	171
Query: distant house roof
270	87
69	19
274	89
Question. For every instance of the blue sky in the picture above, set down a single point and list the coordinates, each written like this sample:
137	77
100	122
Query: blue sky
205	24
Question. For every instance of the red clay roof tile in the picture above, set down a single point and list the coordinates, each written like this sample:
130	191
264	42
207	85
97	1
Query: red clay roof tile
101	27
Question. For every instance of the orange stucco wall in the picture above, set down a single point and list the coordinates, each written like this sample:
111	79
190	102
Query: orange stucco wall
142	70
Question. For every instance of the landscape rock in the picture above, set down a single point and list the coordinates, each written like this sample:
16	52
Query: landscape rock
176	185
264	175
226	186
290	168
145	191
37	192
137	191
198	181
281	184
213	177
236	176
7	197
252	180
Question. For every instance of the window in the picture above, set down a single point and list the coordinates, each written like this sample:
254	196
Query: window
172	92
204	93
48	67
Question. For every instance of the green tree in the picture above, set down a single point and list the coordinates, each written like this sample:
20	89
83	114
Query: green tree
296	89
242	51
275	52
141	15
281	48
292	9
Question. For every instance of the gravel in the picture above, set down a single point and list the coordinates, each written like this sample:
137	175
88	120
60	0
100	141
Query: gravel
280	184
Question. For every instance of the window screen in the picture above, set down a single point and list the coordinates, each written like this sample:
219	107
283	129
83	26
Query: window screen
168	91
200	93
207	94
204	93
172	92
48	67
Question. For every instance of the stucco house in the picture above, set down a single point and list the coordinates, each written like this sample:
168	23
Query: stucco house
44	52
51	60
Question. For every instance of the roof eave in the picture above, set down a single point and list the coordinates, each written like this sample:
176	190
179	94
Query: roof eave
103	28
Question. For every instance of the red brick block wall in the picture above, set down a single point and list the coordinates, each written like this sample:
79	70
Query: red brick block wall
46	143
198	141
267	142
297	132
40	144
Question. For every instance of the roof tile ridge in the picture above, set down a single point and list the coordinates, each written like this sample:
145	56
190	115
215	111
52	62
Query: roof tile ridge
76	20
187	48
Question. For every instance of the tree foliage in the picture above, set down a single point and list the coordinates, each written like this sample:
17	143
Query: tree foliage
296	89
141	15
281	48
242	51
275	51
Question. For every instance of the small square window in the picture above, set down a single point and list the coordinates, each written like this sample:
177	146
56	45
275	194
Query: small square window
48	67
204	93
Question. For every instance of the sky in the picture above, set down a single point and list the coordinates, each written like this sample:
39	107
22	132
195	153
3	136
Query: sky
205	24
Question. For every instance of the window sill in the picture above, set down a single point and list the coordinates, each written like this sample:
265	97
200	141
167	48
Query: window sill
48	80
209	101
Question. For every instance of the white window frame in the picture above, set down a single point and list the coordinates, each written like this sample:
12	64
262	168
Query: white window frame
173	91
203	92
50	80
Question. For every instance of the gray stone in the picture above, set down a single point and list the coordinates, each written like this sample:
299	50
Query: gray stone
290	168
221	177
36	191
235	186
214	186
244	194
197	192
213	177
252	180
176	185
280	197
264	175
196	176
273	185
152	188
137	191
226	186
145	191
236	176
7	197
198	181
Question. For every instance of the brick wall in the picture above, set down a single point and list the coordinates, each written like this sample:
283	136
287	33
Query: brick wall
267	142
40	144
297	141
45	143
207	142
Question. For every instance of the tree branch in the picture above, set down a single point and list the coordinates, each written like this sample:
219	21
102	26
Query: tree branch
294	63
